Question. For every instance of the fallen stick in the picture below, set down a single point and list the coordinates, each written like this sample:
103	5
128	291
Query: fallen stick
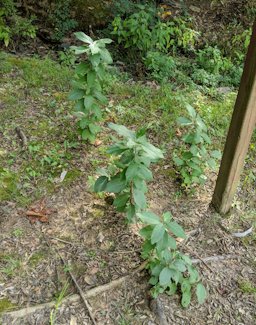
74	298
103	288
22	136
214	258
30	213
80	291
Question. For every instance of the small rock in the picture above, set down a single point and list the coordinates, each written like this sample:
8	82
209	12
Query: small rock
194	8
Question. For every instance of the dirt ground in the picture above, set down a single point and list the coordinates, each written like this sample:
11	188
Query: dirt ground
98	247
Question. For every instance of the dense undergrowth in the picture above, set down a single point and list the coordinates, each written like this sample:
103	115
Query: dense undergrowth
38	90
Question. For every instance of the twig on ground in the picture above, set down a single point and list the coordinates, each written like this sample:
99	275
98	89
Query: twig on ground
80	291
103	288
214	258
200	259
63	241
74	298
22	136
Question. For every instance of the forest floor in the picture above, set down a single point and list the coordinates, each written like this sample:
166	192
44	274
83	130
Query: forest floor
52	174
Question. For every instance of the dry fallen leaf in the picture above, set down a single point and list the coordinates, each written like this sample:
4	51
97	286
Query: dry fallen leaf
97	143
39	212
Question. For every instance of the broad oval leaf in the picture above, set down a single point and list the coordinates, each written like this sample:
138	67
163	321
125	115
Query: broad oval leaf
165	276
191	110
139	198
183	121
201	293
121	200
100	184
115	185
83	37
76	94
176	229
122	130
157	233
186	298
149	218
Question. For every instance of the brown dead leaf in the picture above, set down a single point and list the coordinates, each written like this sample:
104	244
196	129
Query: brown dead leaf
39	212
97	143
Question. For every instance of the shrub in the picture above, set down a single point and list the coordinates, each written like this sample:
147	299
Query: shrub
161	66
128	174
170	269
193	156
204	78
13	25
144	31
87	85
60	19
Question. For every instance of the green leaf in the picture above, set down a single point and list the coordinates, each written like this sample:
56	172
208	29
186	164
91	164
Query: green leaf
149	217
178	162
105	40
167	216
147	247
116	185
183	121
83	123
157	233
194	150
145	173
139	198
206	138
94	48
194	276
180	265
76	94
152	152
100	184
116	149
91	77
201	293
191	110
172	288
185	286
165	276
83	37
216	154
140	184
121	200
86	135
176	229
211	163
172	242
130	212
146	232
186	298
94	128
122	130
88	101
79	49
82	68
132	171
186	259
106	57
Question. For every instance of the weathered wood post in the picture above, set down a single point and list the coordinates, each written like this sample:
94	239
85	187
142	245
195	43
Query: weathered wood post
239	134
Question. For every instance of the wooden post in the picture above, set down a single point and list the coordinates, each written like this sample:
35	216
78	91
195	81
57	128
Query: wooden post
239	134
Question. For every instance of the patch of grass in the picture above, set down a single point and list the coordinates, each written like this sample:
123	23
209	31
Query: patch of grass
18	232
9	264
247	287
6	305
37	257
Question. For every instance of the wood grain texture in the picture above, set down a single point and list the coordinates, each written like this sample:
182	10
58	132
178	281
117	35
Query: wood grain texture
239	135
